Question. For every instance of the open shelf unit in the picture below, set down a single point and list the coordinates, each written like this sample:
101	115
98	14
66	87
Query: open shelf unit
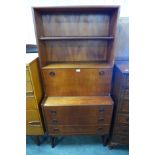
76	34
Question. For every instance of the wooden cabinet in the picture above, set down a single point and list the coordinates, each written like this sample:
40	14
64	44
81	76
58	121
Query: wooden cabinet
76	52
34	94
120	94
78	115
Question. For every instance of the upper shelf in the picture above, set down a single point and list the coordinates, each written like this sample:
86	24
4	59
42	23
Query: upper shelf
77	38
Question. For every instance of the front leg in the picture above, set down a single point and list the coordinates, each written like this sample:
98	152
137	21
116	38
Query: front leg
53	141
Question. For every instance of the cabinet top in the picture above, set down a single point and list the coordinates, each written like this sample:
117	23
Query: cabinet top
77	101
123	66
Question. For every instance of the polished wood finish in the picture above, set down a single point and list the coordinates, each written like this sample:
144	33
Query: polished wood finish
120	94
76	53
62	82
34	94
76	34
75	65
78	115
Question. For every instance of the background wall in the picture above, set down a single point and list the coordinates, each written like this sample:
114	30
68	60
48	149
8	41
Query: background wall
122	45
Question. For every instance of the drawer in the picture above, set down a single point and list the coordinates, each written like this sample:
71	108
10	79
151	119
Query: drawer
75	115
126	82
31	103
75	130
124	106
126	94
123	119
33	123
121	130
121	139
28	75
68	82
29	87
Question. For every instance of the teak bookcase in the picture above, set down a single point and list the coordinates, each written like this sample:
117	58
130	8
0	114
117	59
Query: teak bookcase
76	51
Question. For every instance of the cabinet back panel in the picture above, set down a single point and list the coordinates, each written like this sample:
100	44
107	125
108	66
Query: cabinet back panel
77	24
67	50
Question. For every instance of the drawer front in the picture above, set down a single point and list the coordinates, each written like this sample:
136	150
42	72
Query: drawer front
29	87
31	103
74	115
124	106
126	82
121	130
28	75
67	82
121	139
75	130
123	119
126	94
33	123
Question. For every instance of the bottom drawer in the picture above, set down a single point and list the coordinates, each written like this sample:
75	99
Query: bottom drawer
121	139
122	130
75	130
33	123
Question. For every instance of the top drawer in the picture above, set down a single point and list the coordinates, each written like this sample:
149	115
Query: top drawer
77	82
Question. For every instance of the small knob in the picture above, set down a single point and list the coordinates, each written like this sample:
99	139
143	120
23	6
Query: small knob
52	73
101	73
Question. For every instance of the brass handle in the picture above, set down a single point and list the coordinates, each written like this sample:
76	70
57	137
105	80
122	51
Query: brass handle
52	73
101	73
34	123
53	112
54	121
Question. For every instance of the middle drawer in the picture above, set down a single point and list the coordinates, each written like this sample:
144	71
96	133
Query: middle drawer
78	115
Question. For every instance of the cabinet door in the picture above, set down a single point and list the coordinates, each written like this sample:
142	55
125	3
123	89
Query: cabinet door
77	82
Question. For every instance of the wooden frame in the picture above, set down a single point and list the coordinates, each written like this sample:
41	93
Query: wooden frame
76	34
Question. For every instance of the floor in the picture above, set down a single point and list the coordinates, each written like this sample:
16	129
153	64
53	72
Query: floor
72	145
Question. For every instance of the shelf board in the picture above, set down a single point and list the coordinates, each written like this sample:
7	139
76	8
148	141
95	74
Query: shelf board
78	38
78	65
78	101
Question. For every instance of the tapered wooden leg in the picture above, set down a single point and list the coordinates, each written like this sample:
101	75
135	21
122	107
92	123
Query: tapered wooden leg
105	139
37	140
53	141
112	145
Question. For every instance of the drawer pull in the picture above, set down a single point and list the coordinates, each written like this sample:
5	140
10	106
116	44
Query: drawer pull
56	130
101	73
53	112
100	120
34	123
52	73
100	129
54	121
101	109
